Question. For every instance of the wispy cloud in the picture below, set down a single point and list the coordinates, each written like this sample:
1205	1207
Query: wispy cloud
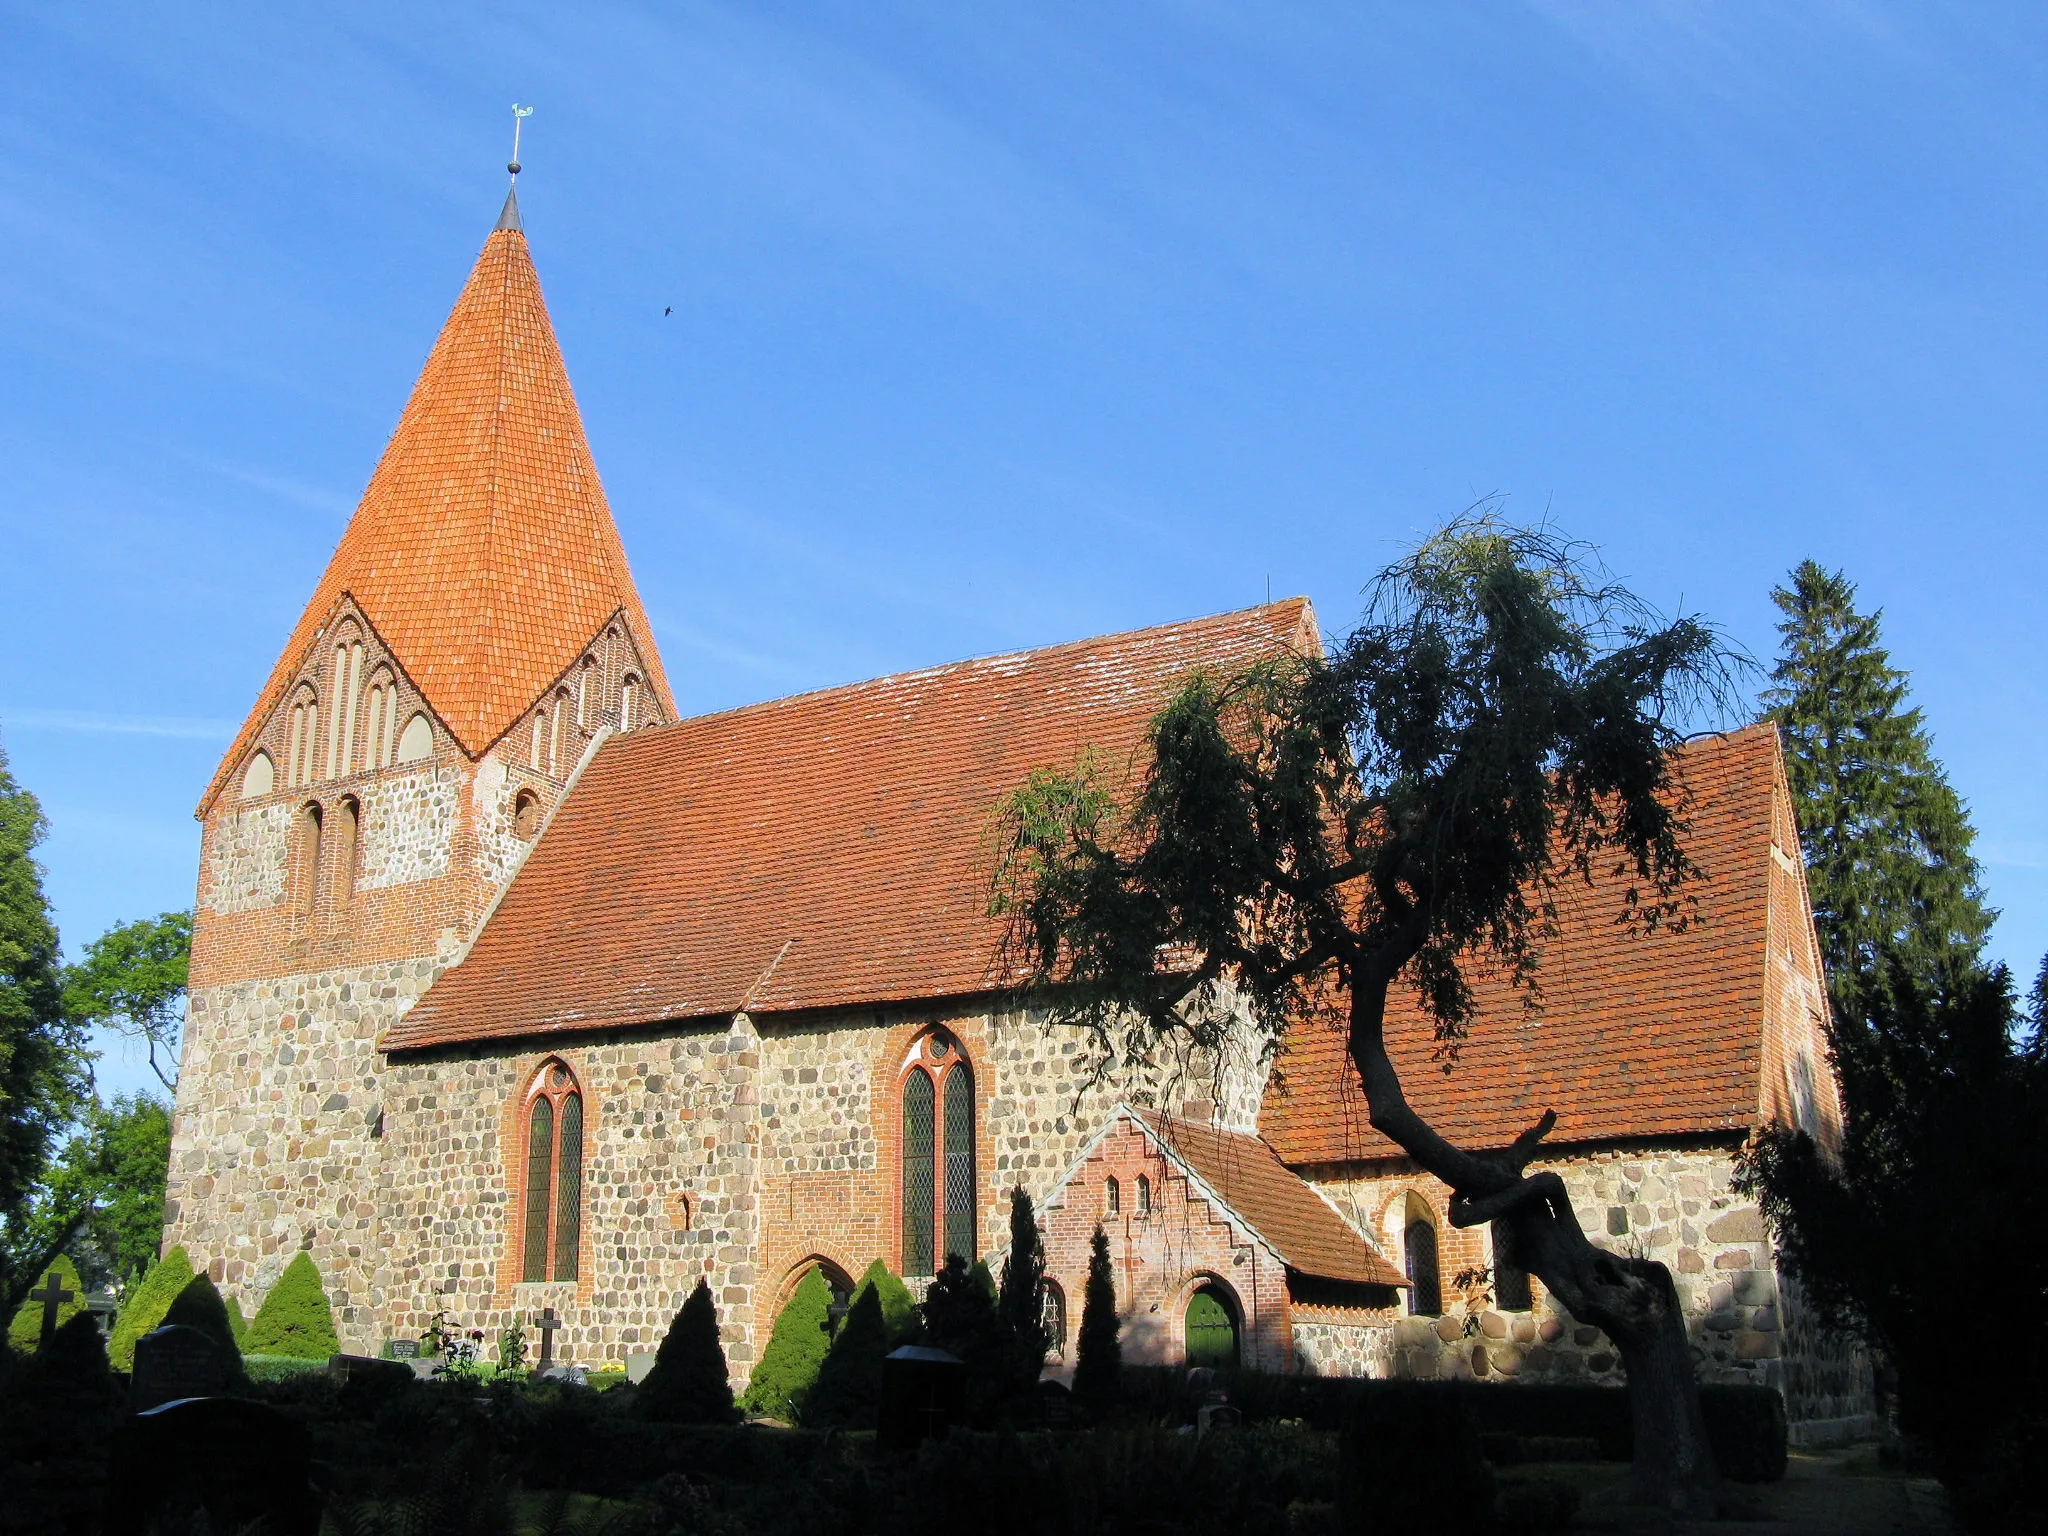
2020	855
319	498
86	722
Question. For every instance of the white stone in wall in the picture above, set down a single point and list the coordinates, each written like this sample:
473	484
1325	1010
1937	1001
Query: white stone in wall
408	827
247	860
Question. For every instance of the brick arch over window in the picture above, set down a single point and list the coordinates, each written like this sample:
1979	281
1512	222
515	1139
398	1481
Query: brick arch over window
937	1153
552	1119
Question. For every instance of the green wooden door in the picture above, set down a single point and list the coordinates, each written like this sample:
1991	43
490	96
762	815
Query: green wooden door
1212	1335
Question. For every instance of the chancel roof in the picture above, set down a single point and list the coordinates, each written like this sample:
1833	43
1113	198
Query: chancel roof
483	552
1633	1033
827	850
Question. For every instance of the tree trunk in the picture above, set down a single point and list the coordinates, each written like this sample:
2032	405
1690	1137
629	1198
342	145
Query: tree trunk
1631	1300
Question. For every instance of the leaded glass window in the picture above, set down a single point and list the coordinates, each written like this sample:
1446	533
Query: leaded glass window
918	1128
569	1188
960	1163
1426	1298
1510	1279
551	1244
540	1153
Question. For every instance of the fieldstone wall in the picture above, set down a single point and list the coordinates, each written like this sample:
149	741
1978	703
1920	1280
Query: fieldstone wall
408	827
247	859
275	1144
1343	1349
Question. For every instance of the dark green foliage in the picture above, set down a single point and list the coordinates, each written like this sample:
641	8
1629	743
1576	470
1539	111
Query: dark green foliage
1098	1356
117	1163
57	1414
899	1307
295	1318
199	1306
689	1384
795	1353
237	1324
1021	1300
146	1305
25	1333
1887	840
44	1077
961	1316
1527	1504
849	1383
1945	1152
1409	1463
133	979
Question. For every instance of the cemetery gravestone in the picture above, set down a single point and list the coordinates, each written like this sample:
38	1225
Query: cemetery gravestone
215	1463
924	1394
178	1361
638	1363
545	1325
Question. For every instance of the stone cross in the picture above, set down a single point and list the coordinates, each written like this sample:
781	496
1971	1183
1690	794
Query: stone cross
547	1323
53	1295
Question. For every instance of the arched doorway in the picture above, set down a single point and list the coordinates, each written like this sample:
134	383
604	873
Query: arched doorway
1211	1326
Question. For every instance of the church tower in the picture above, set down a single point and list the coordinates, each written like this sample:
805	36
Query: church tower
474	634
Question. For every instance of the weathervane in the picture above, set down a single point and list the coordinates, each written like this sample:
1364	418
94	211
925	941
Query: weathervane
519	115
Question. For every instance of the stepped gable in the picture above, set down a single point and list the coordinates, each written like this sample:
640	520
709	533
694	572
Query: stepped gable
820	851
1636	1034
483	553
1302	1227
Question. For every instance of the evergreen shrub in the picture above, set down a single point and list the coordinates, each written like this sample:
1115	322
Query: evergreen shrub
295	1318
25	1333
237	1324
199	1306
689	1383
146	1305
1098	1357
796	1352
849	1384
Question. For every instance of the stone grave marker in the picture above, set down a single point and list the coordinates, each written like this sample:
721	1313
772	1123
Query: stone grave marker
104	1309
638	1363
213	1463
545	1325
401	1349
178	1361
924	1394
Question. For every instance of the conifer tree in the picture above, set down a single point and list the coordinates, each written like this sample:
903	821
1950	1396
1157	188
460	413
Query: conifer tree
25	1333
849	1383
1022	1297
1886	839
295	1318
796	1351
147	1304
689	1383
237	1324
199	1306
1098	1357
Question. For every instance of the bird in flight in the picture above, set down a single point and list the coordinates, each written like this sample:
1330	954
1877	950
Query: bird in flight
667	312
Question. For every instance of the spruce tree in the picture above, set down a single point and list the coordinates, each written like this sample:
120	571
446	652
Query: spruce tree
795	1353
1886	839
295	1318
689	1383
1098	1357
147	1304
1022	1298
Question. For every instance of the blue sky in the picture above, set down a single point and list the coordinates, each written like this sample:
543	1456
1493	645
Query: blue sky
1002	325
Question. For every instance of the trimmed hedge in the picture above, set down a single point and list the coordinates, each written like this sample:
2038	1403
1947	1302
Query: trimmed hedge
146	1305
1745	1425
199	1306
295	1318
796	1351
1409	1463
25	1333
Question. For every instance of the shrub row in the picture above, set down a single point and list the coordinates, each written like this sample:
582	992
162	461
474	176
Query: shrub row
1745	1425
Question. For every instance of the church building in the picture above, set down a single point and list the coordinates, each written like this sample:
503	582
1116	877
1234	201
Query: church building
512	989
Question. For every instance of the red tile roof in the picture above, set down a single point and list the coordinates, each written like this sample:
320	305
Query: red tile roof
483	552
1298	1224
1636	1035
819	851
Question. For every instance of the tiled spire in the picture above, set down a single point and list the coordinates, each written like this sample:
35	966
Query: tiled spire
483	552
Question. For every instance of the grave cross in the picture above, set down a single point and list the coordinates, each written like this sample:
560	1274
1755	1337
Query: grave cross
547	1323
53	1295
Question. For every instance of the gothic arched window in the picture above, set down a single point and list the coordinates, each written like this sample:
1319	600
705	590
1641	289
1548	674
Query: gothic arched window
1144	1195
1418	1242
937	1155
553	1216
629	701
1510	1280
1112	1197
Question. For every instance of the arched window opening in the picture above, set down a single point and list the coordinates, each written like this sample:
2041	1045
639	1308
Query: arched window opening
552	1242
537	758
1144	1195
1112	1197
1510	1279
418	741
1418	1244
629	702
525	815
937	1179
347	838
309	856
555	741
586	690
260	777
1211	1328
1054	1317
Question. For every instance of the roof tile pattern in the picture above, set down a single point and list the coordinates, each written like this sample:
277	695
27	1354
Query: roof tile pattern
1298	1224
1634	1035
820	851
483	551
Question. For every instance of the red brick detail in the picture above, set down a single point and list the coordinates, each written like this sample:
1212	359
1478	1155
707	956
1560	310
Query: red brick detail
512	1126
1633	1035
828	850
